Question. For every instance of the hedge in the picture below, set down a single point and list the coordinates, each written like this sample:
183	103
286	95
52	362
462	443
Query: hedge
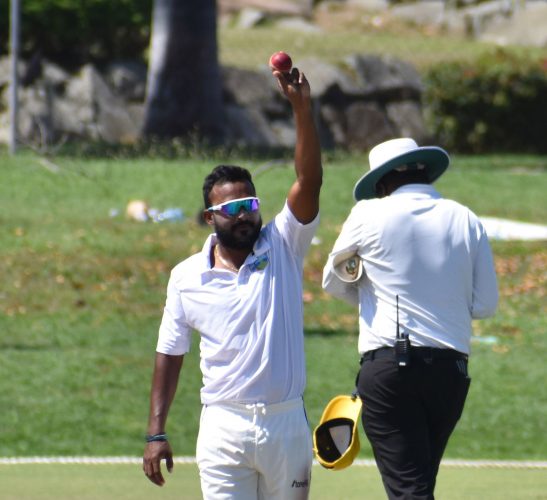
497	103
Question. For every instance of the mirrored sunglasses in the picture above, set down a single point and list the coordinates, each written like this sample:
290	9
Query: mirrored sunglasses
233	207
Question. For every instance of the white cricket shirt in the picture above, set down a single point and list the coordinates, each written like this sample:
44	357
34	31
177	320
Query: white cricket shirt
432	252
250	323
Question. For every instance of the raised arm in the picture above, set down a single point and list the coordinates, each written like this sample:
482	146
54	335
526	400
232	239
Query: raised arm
303	197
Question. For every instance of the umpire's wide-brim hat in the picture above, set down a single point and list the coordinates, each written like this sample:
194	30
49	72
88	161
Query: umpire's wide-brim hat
400	154
336	439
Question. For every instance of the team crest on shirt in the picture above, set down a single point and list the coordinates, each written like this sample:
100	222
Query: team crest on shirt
260	263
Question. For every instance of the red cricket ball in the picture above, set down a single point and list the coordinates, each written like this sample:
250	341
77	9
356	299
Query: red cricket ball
281	61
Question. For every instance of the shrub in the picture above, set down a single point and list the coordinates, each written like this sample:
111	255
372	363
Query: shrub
71	32
497	103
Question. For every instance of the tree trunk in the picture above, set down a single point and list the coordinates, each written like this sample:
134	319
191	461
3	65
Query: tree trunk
184	91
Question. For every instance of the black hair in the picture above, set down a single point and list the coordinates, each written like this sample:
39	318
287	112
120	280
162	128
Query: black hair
222	174
396	179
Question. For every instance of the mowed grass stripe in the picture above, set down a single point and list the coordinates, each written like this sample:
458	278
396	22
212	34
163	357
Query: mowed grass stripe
121	482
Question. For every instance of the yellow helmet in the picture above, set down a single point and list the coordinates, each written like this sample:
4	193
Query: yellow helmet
335	439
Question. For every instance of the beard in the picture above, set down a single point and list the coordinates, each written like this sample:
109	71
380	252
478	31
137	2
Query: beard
241	236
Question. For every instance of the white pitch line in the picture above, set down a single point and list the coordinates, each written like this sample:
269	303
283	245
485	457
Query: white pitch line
503	464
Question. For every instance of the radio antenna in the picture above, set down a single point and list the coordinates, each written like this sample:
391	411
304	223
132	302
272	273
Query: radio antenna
402	343
398	333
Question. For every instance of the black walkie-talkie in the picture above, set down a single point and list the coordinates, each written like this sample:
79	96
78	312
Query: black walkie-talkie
402	344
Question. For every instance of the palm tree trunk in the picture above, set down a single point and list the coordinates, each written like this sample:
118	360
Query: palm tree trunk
184	91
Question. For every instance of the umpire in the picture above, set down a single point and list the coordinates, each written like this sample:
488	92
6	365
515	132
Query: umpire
427	272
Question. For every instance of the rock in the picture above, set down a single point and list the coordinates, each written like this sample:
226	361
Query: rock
101	113
421	13
245	87
370	4
249	17
127	79
367	125
386	77
327	78
248	127
527	26
5	68
477	17
357	104
332	126
297	24
54	75
407	119
285	134
276	7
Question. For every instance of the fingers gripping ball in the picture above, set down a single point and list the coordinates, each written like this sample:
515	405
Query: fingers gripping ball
281	61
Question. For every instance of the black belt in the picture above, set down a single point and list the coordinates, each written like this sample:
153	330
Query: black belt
427	353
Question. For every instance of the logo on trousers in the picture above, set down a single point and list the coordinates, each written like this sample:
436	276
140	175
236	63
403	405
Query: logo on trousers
300	484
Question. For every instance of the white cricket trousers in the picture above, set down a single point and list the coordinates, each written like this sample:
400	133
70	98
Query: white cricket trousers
255	451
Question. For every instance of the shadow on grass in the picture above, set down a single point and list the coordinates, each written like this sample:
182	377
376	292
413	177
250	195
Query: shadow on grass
19	346
329	332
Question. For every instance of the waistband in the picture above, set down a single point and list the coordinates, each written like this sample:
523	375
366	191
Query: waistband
263	408
426	353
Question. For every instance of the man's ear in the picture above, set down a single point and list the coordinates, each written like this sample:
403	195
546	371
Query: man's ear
380	190
208	217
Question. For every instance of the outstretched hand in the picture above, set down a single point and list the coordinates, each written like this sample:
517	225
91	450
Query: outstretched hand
154	453
294	86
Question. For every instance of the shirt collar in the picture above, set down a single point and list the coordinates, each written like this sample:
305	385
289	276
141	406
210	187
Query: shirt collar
426	190
261	246
206	252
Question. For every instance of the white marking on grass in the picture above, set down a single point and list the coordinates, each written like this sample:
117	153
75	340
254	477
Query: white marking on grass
503	464
503	229
84	460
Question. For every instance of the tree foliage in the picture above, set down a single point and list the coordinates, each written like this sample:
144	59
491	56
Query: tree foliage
73	32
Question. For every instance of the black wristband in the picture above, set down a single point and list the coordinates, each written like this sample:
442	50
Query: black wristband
155	437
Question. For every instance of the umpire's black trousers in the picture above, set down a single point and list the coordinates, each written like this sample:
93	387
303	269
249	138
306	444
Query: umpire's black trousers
409	413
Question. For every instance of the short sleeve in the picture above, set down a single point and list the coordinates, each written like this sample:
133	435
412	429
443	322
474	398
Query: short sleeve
174	333
298	236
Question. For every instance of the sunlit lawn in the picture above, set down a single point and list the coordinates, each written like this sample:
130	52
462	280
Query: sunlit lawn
82	295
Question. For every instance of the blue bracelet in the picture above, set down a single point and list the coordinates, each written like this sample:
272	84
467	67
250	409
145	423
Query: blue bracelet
155	437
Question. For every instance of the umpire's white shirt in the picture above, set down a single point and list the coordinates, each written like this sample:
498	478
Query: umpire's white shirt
250	323
432	252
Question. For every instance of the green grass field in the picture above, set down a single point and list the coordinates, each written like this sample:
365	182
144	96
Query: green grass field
82	295
121	482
